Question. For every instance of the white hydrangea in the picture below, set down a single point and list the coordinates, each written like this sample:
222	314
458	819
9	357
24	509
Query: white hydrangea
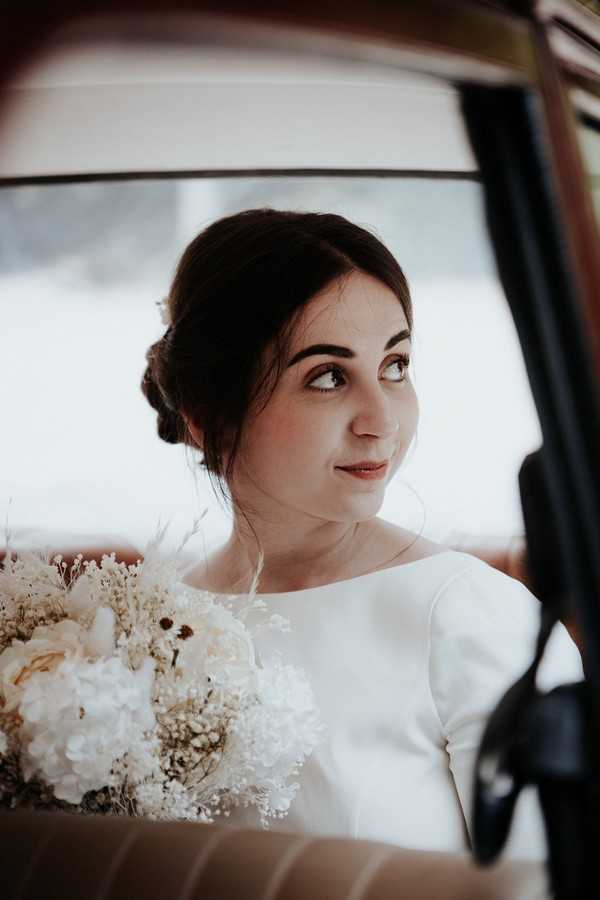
285	726
80	719
271	738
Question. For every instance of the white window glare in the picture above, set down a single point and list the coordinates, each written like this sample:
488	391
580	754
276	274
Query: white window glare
79	278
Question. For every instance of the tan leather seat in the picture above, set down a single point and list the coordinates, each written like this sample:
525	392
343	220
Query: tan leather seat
47	855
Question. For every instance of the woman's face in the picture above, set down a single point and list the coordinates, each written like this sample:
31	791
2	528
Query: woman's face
366	409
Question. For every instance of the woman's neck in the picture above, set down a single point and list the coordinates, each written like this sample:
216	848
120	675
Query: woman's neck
384	544
323	555
315	557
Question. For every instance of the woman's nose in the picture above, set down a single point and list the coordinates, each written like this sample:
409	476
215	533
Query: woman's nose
383	432
376	418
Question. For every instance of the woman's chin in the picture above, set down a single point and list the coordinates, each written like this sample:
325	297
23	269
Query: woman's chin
357	507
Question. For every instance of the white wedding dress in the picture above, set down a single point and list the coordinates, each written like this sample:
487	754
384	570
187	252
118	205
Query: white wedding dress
406	664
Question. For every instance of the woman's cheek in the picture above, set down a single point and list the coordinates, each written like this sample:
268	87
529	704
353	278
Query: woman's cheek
273	433
295	437
301	436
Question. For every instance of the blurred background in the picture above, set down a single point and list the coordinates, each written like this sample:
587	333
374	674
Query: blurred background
83	264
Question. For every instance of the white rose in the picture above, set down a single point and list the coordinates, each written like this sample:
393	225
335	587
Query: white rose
48	647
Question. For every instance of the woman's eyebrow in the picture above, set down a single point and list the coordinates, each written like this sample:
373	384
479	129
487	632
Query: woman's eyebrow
334	350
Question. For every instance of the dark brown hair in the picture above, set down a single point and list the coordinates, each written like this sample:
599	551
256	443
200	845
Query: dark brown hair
238	290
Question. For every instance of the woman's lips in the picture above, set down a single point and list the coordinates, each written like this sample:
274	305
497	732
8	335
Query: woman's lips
367	474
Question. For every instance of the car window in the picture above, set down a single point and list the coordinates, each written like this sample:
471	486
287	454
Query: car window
78	284
83	263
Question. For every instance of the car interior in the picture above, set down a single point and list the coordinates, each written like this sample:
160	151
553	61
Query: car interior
467	135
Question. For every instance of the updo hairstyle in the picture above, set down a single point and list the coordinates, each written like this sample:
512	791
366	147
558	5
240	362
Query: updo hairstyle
238	290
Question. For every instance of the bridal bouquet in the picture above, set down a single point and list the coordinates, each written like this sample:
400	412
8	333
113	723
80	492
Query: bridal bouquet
124	691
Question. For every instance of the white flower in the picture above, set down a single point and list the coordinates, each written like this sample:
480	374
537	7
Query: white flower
82	692
163	309
286	727
80	719
81	596
100	639
49	646
272	736
220	647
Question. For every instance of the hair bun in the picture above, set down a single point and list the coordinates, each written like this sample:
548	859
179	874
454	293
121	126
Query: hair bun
168	424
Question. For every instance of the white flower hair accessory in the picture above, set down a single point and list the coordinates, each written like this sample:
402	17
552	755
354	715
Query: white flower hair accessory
163	308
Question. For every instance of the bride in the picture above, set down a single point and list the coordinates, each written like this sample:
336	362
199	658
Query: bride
287	364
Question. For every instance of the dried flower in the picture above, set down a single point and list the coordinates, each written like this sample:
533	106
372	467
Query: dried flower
123	691
163	308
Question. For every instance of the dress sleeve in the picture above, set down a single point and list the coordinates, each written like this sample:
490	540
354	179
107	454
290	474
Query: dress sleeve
483	630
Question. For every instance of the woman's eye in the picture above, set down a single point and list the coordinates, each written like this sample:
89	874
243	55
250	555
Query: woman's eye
402	362
334	372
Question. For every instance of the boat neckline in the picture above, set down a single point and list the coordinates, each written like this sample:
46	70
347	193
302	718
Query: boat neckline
330	584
